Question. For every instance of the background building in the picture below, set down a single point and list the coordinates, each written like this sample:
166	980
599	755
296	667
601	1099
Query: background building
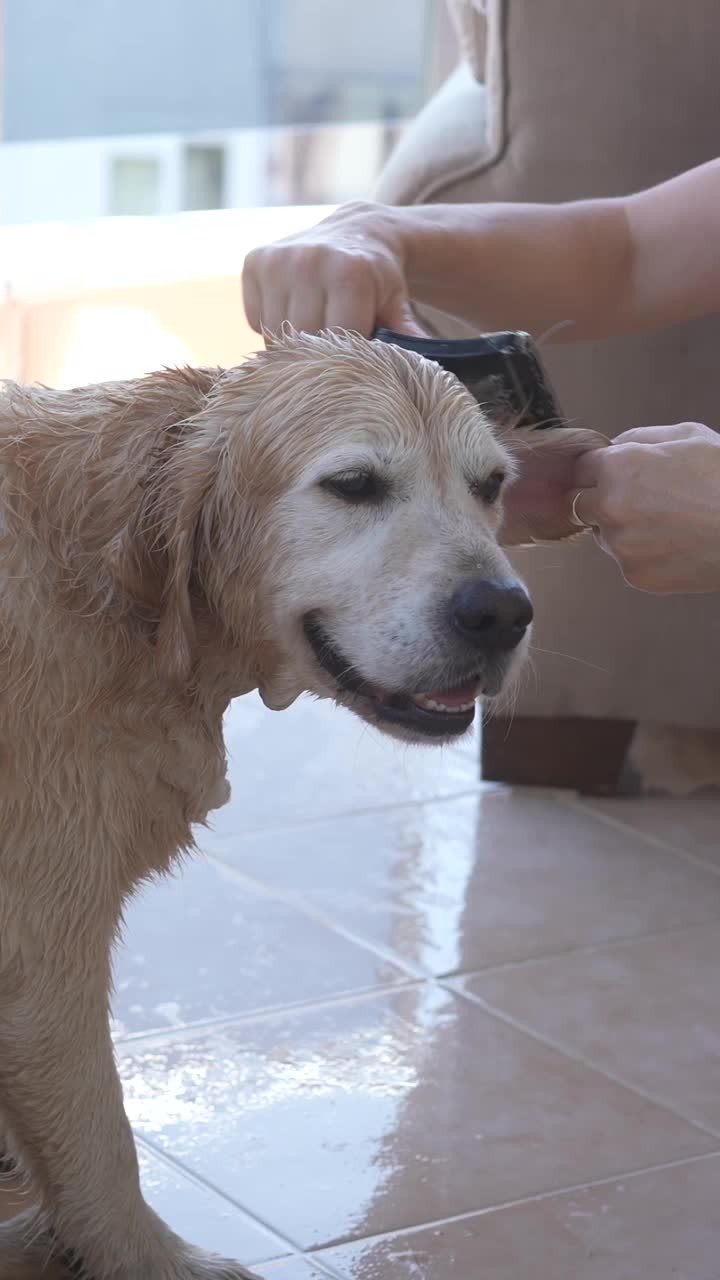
156	106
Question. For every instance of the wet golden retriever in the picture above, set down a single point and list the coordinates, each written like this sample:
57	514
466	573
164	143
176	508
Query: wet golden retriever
325	517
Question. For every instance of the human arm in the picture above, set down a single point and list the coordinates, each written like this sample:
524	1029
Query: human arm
597	267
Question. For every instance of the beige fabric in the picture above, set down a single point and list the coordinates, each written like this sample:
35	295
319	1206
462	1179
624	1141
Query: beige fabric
443	52
471	24
599	100
454	125
465	122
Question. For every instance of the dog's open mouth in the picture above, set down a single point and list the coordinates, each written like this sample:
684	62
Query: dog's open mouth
437	713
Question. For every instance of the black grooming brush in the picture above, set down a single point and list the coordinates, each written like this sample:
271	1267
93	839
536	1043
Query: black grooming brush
502	370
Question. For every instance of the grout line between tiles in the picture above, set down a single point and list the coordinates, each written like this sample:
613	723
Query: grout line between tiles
322	1265
292	899
300	902
450	979
578	805
500	1206
168	1035
368	811
452	984
587	948
416	977
566	1051
289	1246
263	1013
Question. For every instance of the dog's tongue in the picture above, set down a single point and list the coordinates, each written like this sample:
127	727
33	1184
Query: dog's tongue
460	698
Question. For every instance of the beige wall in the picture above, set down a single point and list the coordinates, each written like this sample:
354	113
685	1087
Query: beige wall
120	333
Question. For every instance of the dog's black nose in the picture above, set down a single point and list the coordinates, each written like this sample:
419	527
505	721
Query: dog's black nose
494	616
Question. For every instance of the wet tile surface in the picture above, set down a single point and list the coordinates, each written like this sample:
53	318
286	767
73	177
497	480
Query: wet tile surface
201	1216
296	1269
194	1211
689	823
199	946
370	1107
481	880
373	1115
647	1011
657	1226
315	760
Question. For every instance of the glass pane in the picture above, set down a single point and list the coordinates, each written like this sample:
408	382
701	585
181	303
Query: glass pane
127	106
203	177
135	185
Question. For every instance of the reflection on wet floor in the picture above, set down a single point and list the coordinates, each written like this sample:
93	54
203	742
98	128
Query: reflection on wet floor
396	1025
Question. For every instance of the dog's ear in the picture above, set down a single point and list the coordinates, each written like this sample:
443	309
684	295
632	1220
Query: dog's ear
156	558
192	478
538	504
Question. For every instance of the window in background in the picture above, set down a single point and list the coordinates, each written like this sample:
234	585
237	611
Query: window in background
303	99
203	177
134	185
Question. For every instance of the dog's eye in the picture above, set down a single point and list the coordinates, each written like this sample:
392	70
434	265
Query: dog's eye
488	489
355	486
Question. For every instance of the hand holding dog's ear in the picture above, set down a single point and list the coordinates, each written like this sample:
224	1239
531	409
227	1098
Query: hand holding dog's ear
538	504
653	501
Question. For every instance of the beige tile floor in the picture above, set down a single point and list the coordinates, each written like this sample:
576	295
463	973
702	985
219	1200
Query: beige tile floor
397	1025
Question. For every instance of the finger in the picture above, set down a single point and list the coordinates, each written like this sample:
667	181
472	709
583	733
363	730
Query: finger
273	311
397	314
589	468
306	309
352	306
660	435
603	544
251	300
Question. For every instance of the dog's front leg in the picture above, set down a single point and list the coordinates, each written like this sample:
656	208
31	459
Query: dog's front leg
62	1099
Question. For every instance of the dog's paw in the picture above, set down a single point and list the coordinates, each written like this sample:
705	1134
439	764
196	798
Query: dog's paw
26	1254
227	1271
31	1250
202	1266
195	1266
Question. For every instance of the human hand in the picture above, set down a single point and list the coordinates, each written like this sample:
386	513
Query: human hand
653	501
347	272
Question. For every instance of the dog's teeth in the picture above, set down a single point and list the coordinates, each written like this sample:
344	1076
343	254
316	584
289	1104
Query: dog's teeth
431	704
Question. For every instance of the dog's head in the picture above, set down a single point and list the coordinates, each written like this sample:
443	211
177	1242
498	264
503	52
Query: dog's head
340	510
